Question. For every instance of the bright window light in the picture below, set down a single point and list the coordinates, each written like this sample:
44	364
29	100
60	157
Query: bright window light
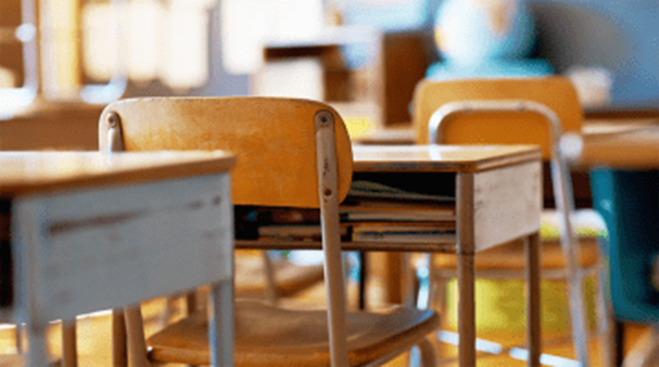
167	40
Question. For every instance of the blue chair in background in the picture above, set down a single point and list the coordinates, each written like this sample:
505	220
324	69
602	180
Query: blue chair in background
629	203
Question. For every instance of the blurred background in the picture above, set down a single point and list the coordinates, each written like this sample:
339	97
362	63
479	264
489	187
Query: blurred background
62	60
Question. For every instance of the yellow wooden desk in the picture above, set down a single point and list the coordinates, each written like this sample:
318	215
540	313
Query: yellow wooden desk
497	199
496	195
625	162
83	232
632	148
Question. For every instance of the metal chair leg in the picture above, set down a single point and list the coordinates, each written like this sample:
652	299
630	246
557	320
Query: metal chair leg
565	203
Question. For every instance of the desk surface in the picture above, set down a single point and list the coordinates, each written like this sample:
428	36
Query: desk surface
632	149
439	158
37	172
405	134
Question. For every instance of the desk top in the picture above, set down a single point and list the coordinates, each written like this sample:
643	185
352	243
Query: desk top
38	172
632	149
439	158
405	135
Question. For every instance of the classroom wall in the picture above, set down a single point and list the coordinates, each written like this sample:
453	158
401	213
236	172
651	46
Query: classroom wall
220	84
622	36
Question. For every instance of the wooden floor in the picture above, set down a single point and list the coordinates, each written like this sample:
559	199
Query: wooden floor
496	348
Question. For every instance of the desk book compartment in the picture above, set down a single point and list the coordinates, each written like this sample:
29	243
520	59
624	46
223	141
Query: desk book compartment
373	211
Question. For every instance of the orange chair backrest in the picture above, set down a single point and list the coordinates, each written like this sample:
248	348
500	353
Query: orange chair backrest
557	93
273	139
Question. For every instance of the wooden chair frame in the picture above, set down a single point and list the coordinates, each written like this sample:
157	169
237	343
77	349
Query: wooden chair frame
332	187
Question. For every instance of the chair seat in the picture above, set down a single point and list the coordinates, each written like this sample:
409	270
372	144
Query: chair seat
270	336
589	228
290	278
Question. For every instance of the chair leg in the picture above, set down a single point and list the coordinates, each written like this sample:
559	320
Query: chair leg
331	239
427	353
437	302
407	281
564	197
136	339
69	348
363	271
606	324
270	281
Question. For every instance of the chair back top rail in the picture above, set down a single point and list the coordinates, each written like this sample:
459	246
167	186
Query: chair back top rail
521	118
280	172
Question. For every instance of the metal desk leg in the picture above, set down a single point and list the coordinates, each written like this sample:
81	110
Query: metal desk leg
220	323
36	354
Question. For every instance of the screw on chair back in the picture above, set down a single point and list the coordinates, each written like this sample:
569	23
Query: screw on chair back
513	111
514	126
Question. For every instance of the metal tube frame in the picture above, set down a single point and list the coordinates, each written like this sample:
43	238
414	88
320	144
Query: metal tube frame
562	192
326	166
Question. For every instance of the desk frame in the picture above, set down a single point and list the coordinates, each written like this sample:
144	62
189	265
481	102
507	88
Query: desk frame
86	247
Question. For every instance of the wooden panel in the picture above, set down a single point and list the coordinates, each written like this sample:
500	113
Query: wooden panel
100	249
40	172
502	128
506	208
405	63
273	138
439	158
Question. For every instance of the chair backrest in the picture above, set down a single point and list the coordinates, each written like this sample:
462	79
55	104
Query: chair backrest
274	140
512	127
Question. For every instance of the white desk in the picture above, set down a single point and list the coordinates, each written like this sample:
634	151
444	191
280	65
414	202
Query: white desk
89	232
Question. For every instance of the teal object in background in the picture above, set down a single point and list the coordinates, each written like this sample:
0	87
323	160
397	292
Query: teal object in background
471	31
485	38
492	69
629	203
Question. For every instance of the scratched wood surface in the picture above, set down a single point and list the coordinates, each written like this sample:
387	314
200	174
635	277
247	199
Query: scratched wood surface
557	93
102	248
507	204
39	172
285	160
439	158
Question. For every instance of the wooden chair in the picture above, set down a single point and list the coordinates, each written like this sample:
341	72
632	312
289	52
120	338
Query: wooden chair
292	153
521	111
